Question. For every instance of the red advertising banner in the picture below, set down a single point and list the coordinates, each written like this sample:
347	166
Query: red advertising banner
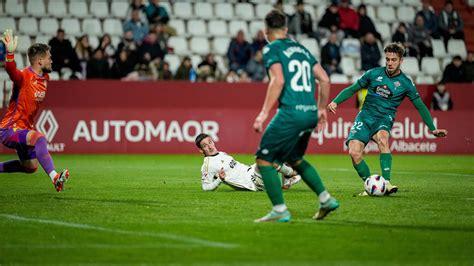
165	117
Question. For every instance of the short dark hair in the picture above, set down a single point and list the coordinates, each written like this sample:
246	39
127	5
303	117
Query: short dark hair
275	19
395	47
37	49
199	138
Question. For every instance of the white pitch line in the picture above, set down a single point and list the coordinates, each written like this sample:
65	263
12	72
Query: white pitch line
404	172
185	239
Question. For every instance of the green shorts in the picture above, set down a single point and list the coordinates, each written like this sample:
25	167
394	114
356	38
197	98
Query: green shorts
365	127
287	136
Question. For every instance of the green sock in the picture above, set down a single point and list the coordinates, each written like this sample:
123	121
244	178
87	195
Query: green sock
272	184
386	165
362	169
310	176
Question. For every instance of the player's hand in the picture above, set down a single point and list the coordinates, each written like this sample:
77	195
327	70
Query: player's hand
258	124
322	119
440	133
222	173
10	41
332	106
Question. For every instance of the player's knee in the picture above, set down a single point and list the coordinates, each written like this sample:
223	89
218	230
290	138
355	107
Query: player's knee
383	143
30	169
37	138
355	154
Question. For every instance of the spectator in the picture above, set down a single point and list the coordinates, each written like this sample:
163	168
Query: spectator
255	68
162	36
156	13
331	55
243	76
232	77
184	70
450	23
207	69
165	73
122	66
105	44
420	38
366	24
349	19
431	20
455	72
143	69
259	42
279	6
136	26
62	53
401	35
370	53
301	22
441	100
128	44
152	46
83	52
137	5
239	52
330	22
3	52
98	67
469	65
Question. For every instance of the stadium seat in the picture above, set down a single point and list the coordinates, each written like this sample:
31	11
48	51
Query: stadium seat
20	61
100	9
15	8
413	3
78	9
4	76
392	3
57	8
371	12
36	8
410	66
167	6
348	66
221	63
7	23
71	26
424	80
48	26
457	47
384	30
244	11
373	2
41	38
199	45
179	26
196	60
197	27
116	40
93	42
350	47
221	45
28	26
204	10
289	9
217	28
24	42
312	45
446	61
261	10
406	13
224	10
339	78
174	62
355	77
255	26
183	10
430	66
54	76
236	25
179	45
92	26
113	27
119	9
386	14
320	10
439	49
73	40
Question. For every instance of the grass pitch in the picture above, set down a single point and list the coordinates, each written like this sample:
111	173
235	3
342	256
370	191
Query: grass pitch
146	209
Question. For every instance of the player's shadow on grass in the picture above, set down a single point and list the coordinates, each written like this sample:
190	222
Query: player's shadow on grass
115	201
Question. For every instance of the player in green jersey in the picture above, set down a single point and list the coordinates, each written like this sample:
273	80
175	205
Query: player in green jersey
387	87
292	70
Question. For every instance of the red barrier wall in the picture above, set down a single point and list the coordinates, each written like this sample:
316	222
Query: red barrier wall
164	117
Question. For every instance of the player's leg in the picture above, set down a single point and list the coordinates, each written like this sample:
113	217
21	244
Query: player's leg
382	139
11	139
289	175
356	149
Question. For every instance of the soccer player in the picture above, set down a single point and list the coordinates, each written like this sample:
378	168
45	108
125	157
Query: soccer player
219	167
387	87
292	72
17	130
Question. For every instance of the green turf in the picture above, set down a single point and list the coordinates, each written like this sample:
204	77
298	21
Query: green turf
151	210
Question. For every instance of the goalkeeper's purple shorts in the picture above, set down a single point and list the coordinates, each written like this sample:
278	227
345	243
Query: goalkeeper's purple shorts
16	139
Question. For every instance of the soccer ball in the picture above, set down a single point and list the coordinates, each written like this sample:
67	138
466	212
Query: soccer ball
375	185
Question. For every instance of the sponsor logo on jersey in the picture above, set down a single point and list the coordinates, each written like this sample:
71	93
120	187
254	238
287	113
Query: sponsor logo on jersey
39	95
384	91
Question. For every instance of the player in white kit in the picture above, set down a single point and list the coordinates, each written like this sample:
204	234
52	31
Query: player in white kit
219	167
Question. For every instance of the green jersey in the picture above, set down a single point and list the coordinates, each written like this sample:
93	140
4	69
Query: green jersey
385	93
297	64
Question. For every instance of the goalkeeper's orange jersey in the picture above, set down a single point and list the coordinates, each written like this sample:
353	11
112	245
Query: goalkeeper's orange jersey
29	90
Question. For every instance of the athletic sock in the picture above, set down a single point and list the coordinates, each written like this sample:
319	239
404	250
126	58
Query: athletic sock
280	208
52	175
386	165
272	184
310	177
362	169
11	166
324	196
43	156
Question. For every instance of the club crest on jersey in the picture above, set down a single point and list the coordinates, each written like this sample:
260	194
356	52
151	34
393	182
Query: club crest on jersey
397	83
379	78
383	91
39	95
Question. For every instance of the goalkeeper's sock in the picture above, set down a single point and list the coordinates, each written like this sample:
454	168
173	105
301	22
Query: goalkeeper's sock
362	169
310	177
386	165
272	184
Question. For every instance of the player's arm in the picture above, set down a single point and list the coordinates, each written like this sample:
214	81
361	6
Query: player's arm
11	43
426	116
344	95
323	94
209	178
275	87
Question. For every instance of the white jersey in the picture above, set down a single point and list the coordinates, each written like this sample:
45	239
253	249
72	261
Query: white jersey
237	175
